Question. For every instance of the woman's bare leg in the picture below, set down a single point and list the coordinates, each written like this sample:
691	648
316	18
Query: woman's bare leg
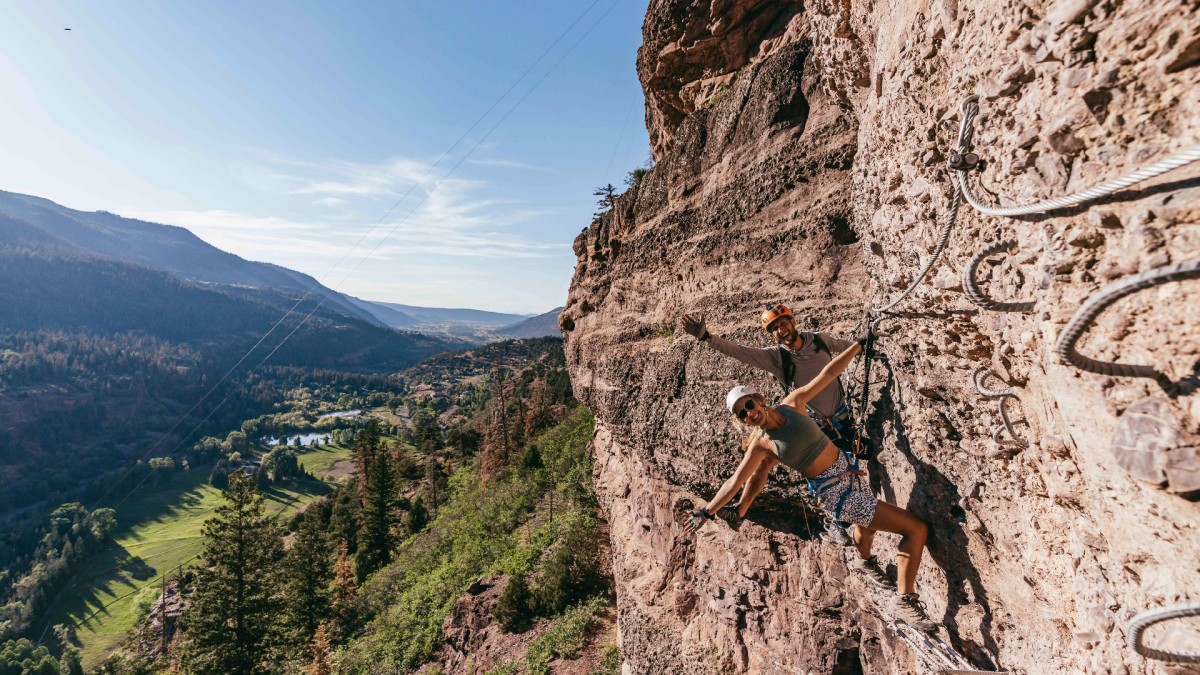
913	533
863	538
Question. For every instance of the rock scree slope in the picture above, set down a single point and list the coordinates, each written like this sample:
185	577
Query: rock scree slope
801	157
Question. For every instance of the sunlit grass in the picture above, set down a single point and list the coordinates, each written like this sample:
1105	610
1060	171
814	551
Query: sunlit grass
159	529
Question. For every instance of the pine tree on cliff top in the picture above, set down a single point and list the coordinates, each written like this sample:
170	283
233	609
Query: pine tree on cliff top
233	625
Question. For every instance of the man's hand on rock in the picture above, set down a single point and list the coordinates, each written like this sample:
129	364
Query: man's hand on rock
693	327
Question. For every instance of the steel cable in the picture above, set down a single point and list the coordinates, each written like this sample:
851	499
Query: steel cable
1095	305
1179	159
1143	621
966	132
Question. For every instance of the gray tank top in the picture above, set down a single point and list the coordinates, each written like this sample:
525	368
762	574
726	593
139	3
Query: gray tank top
799	441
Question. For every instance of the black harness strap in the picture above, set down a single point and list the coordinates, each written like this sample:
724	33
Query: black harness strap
789	367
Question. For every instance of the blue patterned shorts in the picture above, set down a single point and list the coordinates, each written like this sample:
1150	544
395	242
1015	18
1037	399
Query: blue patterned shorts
859	505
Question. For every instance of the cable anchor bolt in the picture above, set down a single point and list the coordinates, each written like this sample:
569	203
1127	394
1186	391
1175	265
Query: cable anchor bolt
965	161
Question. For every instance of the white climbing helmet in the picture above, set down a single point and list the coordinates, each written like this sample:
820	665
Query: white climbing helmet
737	393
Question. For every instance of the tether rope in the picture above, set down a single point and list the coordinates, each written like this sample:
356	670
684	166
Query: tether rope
966	132
971	286
951	216
1143	621
1086	315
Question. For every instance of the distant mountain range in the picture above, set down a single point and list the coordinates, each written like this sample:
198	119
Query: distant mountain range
162	279
67	270
542	325
27	221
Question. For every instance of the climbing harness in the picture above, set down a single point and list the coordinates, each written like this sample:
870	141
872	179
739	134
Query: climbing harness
1079	324
1143	621
971	287
979	378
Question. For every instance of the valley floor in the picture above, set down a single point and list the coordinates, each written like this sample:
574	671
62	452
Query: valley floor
160	531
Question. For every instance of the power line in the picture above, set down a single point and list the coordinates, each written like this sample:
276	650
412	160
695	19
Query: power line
316	281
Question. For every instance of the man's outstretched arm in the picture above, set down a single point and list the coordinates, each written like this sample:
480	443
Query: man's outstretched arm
764	359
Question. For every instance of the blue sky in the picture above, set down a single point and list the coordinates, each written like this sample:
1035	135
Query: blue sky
284	132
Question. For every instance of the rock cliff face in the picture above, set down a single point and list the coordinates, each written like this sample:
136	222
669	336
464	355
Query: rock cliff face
801	158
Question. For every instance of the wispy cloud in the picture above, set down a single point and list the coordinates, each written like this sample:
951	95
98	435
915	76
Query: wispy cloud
441	237
254	237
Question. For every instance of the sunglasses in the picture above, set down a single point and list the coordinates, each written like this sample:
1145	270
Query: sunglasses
741	414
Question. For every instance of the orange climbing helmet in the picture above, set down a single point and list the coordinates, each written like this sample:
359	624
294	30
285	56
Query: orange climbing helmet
772	313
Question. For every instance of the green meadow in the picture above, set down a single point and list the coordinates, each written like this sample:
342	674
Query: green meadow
159	530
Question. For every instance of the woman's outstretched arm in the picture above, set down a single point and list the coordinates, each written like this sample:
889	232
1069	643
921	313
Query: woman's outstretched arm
801	395
751	461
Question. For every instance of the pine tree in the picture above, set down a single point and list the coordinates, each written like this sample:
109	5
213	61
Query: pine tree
343	517
366	445
322	654
344	603
308	569
232	623
375	536
608	198
418	517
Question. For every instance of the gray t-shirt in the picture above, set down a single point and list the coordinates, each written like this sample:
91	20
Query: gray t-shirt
808	361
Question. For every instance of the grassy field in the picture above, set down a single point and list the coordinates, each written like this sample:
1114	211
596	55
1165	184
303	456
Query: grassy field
158	531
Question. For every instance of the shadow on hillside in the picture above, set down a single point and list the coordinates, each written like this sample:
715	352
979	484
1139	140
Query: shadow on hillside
149	504
293	492
84	605
936	500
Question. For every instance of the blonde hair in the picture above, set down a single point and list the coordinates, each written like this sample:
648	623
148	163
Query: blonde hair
757	432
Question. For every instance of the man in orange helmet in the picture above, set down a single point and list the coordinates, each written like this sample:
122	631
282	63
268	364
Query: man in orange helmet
795	361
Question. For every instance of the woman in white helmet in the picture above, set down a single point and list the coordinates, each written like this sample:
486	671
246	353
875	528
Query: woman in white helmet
786	435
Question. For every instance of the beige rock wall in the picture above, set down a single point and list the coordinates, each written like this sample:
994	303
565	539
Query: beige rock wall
801	158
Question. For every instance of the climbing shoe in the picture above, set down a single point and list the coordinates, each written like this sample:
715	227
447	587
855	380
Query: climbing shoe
837	534
909	609
869	569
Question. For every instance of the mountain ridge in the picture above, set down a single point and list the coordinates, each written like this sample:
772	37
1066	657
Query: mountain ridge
168	248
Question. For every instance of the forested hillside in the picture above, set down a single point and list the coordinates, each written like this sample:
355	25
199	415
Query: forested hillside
461	540
41	292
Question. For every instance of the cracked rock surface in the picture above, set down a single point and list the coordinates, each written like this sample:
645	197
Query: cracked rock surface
801	157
